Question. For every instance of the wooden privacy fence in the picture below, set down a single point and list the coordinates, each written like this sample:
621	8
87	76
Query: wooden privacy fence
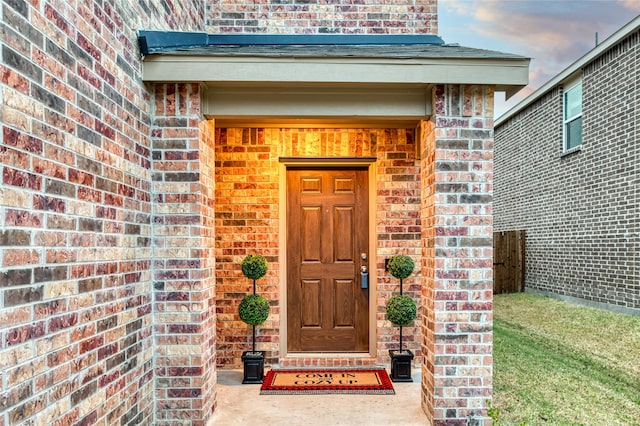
508	262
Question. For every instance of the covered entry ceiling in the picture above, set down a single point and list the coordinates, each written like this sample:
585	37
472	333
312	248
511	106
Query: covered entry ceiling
323	78
319	102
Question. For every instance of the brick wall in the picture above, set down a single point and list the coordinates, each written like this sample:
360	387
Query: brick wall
398	229
76	210
457	186
247	221
581	211
184	262
246	212
322	16
111	270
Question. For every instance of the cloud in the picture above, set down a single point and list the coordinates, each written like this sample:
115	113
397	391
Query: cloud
554	33
558	29
543	24
633	5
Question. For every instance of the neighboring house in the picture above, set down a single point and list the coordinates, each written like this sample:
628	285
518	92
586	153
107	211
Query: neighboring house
567	171
139	167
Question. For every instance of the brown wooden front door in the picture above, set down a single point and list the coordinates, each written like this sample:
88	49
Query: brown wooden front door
327	233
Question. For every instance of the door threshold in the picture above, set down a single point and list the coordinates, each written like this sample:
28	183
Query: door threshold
326	359
327	355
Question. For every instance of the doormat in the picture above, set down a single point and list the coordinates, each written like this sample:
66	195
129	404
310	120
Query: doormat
314	382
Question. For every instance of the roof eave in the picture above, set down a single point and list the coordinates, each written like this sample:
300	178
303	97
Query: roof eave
506	74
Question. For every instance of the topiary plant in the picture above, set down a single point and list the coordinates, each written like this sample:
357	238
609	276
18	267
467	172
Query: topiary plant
401	310
400	266
254	309
254	266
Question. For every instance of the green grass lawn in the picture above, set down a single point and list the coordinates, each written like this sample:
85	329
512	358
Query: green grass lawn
560	364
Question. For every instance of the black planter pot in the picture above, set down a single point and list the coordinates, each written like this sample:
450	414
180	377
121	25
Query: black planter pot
253	367
401	365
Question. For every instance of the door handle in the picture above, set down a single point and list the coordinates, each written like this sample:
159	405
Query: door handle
364	277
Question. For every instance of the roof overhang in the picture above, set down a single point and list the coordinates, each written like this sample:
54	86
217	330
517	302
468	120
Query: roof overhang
318	79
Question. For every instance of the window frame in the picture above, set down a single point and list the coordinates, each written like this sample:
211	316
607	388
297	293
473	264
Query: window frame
568	87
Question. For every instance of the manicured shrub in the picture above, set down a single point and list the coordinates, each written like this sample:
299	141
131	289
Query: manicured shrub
400	266
254	266
401	310
254	309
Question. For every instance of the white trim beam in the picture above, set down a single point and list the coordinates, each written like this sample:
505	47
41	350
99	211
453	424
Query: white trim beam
410	103
501	73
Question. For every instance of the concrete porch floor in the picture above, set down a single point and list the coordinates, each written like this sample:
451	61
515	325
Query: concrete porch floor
240	404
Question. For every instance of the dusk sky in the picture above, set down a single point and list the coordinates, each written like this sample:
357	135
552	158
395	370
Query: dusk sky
553	33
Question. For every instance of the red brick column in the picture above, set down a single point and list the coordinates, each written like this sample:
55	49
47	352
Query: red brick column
457	185
183	235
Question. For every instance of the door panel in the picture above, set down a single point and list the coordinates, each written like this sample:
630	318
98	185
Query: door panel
343	311
343	234
311	311
327	229
311	224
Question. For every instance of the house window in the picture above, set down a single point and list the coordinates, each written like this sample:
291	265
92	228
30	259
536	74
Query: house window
573	117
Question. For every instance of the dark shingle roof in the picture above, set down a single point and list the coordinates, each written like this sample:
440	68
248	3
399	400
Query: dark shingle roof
346	51
309	46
